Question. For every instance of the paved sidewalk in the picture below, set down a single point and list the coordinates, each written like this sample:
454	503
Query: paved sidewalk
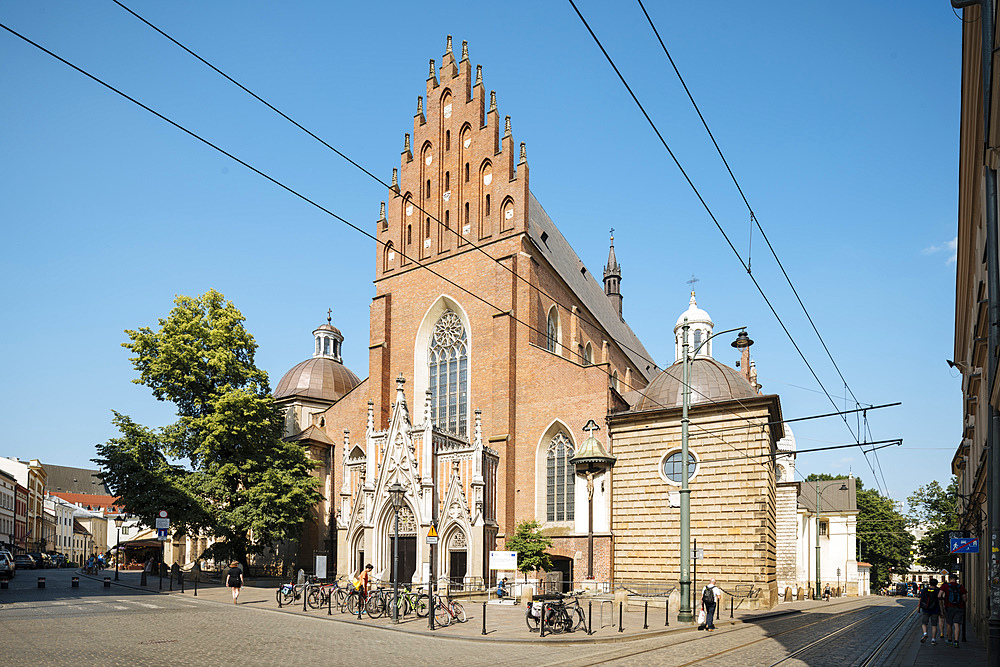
503	623
911	653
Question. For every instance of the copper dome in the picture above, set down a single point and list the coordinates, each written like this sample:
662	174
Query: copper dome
710	381
319	377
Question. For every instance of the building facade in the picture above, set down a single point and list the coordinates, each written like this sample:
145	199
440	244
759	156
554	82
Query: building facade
31	476
836	523
495	387
8	484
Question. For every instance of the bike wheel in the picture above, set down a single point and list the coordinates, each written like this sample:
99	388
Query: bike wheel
340	599
532	621
376	606
353	603
405	605
556	621
459	612
577	619
314	599
441	615
420	605
284	596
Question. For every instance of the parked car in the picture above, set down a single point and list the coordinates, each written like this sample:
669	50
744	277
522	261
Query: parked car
42	560
58	560
25	562
7	566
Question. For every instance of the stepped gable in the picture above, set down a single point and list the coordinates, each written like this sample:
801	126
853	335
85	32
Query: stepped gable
461	177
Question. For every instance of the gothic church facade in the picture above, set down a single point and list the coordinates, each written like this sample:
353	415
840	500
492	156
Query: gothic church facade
490	347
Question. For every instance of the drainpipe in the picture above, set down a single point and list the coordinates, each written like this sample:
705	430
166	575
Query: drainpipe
986	16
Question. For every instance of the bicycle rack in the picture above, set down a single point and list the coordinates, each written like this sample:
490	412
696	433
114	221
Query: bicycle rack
609	602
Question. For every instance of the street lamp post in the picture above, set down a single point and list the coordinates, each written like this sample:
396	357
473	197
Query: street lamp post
819	496
396	491
685	614
119	520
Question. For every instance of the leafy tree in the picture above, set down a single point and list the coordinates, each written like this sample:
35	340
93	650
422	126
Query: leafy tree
933	508
241	483
882	537
530	545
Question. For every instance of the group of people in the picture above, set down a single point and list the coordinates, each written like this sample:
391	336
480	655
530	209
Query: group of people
949	598
95	563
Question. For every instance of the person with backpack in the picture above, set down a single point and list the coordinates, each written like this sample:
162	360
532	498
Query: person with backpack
954	597
711	596
930	609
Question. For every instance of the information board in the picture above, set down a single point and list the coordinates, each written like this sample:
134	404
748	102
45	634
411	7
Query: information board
503	560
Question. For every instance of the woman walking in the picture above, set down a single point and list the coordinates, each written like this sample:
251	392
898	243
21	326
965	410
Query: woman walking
234	579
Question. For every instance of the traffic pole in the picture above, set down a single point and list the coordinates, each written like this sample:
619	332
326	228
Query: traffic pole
484	618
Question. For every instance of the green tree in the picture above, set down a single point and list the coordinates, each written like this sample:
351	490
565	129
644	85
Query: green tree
933	508
223	466
530	545
883	539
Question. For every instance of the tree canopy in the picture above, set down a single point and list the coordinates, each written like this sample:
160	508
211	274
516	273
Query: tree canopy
932	508
530	545
222	468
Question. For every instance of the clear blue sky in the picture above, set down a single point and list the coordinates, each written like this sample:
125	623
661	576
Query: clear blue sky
839	119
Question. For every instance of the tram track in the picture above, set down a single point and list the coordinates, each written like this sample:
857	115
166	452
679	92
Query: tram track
867	613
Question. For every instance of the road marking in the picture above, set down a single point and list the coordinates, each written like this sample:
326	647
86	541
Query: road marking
147	606
119	607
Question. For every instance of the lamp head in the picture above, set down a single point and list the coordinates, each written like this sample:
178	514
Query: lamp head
742	341
396	491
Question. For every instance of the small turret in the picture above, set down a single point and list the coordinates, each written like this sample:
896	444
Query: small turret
612	275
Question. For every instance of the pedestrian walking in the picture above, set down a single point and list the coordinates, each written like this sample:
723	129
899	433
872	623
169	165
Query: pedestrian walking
365	579
826	593
711	596
954	597
234	579
930	610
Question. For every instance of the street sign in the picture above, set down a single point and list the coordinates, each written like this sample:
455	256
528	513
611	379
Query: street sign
432	536
697	554
320	567
964	545
163	514
161	534
503	560
162	524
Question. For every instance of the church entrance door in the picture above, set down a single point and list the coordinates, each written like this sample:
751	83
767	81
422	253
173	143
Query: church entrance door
407	560
457	567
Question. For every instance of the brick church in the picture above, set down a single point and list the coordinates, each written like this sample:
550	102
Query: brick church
491	346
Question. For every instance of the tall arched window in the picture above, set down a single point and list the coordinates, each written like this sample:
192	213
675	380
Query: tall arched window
588	355
448	362
697	339
552	330
559	479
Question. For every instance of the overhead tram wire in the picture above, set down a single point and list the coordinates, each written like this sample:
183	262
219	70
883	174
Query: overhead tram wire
287	188
753	216
417	206
708	210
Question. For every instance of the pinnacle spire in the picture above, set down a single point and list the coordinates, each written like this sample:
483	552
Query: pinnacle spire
381	216
524	154
613	277
431	74
479	75
506	127
406	143
395	179
447	49
465	50
420	105
493	100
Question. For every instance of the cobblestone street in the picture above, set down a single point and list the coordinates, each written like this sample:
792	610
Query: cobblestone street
126	625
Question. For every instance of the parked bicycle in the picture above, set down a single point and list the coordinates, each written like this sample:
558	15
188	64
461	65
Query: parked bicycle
448	611
560	616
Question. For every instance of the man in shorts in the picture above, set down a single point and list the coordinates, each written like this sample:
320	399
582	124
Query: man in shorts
954	597
930	609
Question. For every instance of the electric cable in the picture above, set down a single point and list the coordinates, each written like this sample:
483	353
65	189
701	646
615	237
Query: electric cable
708	210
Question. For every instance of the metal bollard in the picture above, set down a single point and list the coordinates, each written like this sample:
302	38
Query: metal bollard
329	602
171	584
718	611
196	585
621	626
161	580
305	594
142	579
645	614
107	582
180	580
666	611
4	583
590	617
541	628
278	596
731	608
361	606
484	618
74	582
41	582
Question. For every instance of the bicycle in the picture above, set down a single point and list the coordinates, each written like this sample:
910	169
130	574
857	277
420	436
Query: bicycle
558	618
408	602
289	593
447	611
319	594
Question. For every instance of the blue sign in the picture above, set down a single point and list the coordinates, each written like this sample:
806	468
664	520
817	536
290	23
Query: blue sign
964	545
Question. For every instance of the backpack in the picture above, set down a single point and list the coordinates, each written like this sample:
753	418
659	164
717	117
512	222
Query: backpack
928	599
708	596
954	595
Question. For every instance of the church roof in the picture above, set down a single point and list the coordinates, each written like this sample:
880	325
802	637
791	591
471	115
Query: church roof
710	380
74	480
313	433
558	252
319	377
694	314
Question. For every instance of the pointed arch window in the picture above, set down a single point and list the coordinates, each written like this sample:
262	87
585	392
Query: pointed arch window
448	366
560	477
552	330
